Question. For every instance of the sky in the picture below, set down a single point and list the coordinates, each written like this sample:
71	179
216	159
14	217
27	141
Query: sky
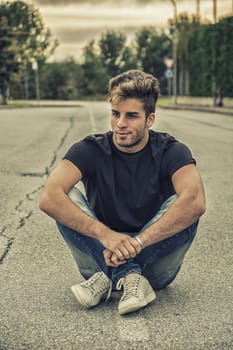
75	22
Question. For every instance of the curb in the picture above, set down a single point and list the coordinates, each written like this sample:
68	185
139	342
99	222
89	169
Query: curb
216	110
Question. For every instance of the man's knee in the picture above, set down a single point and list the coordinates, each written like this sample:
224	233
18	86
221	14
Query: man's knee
76	196
164	270
87	266
80	200
163	279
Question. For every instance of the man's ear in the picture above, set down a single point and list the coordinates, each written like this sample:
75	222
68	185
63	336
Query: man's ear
150	119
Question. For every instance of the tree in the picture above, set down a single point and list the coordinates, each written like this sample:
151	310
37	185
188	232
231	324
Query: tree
30	40
8	60
59	80
152	48
112	49
210	59
184	25
34	40
95	74
129	59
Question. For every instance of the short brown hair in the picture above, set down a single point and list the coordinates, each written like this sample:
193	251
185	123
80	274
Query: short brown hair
135	84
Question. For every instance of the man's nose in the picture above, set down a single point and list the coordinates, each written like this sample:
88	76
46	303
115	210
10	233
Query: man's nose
121	122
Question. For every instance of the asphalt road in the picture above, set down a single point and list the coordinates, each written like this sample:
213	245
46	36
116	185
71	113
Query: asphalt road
37	308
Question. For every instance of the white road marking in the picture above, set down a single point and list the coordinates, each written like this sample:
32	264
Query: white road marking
91	119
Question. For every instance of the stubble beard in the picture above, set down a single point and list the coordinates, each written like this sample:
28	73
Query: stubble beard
136	141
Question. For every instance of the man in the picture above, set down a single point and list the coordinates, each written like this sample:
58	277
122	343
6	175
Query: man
143	200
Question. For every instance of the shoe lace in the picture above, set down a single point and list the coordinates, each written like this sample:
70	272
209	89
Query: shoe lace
109	292
98	284
120	283
130	286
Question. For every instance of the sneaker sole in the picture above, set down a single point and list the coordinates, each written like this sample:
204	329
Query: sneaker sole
78	296
130	308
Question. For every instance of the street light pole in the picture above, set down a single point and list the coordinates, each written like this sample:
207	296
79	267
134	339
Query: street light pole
37	83
214	52
174	9
198	10
215	11
174	52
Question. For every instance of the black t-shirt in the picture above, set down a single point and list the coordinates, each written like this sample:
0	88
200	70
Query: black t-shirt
125	190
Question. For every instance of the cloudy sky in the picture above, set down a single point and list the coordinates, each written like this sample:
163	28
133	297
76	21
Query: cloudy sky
75	22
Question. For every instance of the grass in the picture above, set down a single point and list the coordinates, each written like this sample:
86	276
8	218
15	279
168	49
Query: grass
164	101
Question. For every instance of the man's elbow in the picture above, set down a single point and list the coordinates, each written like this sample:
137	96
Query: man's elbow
199	206
45	203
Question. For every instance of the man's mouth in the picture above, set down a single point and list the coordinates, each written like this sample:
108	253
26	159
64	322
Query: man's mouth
122	133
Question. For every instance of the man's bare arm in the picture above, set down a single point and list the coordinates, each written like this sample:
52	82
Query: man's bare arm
55	202
186	209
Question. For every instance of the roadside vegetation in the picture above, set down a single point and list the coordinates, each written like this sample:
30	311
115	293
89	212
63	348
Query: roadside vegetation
204	58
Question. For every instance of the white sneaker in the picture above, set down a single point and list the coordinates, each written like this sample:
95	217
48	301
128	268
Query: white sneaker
137	293
89	293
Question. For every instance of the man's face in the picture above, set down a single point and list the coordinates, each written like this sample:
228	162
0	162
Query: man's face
130	125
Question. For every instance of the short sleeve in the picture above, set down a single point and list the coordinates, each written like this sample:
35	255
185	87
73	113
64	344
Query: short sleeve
81	155
175	157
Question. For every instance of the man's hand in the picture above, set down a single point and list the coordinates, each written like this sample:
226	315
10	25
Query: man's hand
119	248
111	259
121	245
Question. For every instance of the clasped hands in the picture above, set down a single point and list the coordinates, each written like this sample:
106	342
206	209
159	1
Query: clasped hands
119	248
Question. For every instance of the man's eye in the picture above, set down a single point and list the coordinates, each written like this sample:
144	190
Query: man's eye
131	116
115	114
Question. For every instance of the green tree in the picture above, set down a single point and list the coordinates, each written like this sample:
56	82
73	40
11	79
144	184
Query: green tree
95	74
129	59
8	59
152	48
184	25
59	80
222	56
103	60
210	59
112	52
30	40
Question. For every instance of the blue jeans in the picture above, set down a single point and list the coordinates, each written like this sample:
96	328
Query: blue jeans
159	262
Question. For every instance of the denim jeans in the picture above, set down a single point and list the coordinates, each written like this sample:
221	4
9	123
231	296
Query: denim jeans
159	262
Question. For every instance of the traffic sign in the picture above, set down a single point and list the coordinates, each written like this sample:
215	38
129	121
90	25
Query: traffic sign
168	73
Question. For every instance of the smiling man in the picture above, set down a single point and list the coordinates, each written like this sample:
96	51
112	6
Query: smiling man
130	113
142	203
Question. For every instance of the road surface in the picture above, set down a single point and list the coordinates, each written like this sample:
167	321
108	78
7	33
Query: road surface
37	308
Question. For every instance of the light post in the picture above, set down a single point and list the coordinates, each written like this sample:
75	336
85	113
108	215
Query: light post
198	10
37	83
214	52
169	74
26	96
215	11
174	53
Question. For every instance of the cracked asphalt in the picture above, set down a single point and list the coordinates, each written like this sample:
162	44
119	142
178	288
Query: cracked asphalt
37	308
18	148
